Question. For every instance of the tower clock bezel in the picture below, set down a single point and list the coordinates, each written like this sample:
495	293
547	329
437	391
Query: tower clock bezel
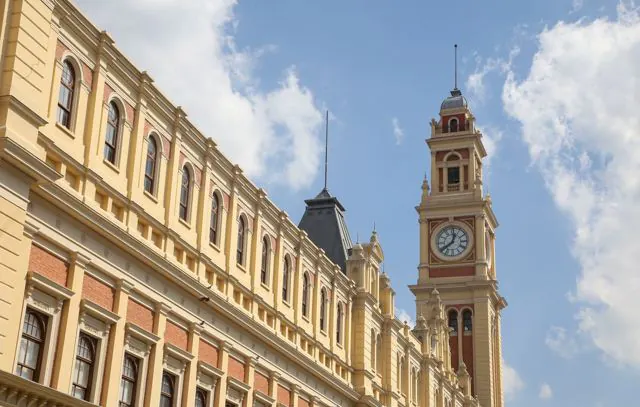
434	243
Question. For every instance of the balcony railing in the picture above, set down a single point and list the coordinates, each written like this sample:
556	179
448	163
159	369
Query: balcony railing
453	187
19	392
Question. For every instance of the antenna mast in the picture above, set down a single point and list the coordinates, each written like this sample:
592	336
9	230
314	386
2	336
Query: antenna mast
326	149
455	64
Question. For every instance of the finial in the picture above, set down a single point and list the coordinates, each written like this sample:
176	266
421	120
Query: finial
326	148
374	226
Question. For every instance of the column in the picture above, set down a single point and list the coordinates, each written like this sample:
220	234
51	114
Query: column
154	373
191	372
231	230
115	348
66	349
221	388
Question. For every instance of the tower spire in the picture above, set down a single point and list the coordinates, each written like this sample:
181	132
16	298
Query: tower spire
455	65
326	148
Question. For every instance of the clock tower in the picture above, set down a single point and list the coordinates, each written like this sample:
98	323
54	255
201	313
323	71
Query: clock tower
457	249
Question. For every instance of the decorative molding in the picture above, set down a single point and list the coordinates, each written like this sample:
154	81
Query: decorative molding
98	312
205	368
42	283
139	333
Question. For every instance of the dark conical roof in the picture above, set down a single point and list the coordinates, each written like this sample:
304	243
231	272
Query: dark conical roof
324	222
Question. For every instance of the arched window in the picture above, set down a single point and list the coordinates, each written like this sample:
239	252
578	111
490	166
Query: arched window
374	338
215	219
111	137
83	373
33	336
305	294
467	320
185	192
379	354
201	398
241	234
167	390
129	382
264	264
286	273
453	321
400	372
413	384
339	323
453	125
65	96
150	166
323	309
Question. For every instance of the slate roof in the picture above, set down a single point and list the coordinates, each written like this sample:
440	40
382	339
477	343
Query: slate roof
324	222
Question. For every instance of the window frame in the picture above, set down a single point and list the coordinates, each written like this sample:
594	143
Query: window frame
464	313
305	294
452	312
173	383
339	322
265	260
323	309
205	394
151	180
286	279
214	219
73	91
241	241
184	202
134	381
116	126
91	366
42	320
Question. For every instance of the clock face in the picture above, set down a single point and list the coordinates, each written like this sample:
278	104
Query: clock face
452	241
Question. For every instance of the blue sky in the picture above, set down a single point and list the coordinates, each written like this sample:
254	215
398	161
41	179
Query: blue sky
552	82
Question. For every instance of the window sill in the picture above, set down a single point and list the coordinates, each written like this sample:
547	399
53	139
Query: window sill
287	303
241	267
323	332
111	165
184	222
339	344
305	318
65	130
266	287
214	246
150	196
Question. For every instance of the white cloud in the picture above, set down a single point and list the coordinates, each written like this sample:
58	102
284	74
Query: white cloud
273	135
475	85
545	392
398	133
404	316
578	112
576	5
513	384
563	343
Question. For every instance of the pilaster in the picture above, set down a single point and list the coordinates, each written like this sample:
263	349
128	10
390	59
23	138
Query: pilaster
65	350
154	375
115	347
191	371
221	388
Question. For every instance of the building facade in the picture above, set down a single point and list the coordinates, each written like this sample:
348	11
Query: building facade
140	267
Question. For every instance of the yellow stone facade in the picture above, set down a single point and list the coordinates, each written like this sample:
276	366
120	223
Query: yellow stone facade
139	266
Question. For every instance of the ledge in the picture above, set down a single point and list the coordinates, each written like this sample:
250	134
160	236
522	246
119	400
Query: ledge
260	396
45	285
180	354
25	160
15	390
139	333
209	370
99	312
237	384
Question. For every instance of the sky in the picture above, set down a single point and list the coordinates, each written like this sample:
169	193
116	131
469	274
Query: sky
554	85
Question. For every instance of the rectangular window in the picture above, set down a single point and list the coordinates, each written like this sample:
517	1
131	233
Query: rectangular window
34	333
453	175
